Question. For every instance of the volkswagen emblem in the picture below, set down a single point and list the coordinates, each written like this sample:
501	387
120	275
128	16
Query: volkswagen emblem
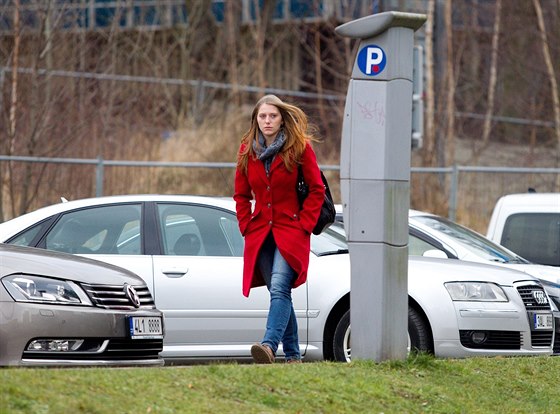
132	295
540	297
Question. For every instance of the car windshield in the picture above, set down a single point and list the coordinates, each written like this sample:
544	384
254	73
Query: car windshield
471	240
331	241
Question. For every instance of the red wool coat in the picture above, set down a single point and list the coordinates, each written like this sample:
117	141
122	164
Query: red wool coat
277	209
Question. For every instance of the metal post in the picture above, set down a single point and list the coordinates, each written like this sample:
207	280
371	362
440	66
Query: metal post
453	195
99	177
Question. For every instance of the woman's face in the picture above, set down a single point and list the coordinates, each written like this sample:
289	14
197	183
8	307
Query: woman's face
269	120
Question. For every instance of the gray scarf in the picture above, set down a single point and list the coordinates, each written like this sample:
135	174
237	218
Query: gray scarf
267	154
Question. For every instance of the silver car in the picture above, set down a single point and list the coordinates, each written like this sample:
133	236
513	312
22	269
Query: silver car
60	309
189	251
435	236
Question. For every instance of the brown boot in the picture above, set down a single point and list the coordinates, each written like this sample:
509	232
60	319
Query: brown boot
262	354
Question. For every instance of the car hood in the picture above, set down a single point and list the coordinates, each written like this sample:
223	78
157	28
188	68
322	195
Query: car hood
548	273
28	260
431	269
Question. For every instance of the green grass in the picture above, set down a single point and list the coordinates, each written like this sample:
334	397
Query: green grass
420	384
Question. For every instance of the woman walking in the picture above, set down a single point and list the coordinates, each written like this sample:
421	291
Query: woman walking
277	230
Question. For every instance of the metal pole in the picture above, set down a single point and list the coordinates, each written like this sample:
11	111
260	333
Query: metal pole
99	177
453	195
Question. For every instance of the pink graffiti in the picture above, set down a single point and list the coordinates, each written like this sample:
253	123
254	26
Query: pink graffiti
375	111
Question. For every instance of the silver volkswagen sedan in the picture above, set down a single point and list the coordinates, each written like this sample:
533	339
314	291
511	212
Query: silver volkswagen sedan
189	251
64	310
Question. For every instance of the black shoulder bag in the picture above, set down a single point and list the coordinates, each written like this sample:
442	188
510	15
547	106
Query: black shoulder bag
328	212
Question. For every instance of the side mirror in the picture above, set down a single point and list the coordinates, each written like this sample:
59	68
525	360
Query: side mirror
439	254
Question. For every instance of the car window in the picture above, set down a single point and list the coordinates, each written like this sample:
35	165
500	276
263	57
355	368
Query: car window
535	236
193	230
331	241
233	236
98	230
25	238
417	246
469	239
129	241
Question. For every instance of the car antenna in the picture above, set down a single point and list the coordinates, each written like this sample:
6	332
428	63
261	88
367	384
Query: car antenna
63	199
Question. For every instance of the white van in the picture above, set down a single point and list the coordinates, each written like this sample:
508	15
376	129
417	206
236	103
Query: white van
529	225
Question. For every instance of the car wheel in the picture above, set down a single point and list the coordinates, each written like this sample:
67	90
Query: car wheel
419	336
341	341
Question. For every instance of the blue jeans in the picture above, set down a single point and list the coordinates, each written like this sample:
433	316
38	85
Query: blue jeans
281	325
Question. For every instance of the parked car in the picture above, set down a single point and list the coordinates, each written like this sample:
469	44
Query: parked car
529	225
60	309
189	250
429	232
432	235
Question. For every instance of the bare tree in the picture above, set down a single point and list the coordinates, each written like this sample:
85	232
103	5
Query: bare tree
492	81
428	150
12	120
551	73
232	35
15	63
259	32
14	96
79	115
449	87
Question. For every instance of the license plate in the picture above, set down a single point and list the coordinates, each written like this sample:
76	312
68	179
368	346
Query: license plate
145	327
542	321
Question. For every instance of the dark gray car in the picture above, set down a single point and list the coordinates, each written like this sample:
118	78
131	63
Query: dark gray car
60	309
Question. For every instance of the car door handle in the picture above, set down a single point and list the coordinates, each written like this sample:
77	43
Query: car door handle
175	272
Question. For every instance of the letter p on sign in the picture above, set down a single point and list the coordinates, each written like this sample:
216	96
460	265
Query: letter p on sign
372	60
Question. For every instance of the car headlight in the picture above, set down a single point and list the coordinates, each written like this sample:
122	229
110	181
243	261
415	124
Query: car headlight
476	291
27	288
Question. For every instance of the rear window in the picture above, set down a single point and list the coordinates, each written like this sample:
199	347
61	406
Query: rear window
534	236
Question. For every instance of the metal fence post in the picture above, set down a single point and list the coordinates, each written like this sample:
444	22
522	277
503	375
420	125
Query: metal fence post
99	177
453	195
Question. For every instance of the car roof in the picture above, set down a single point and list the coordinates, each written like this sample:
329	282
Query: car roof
527	200
224	202
47	211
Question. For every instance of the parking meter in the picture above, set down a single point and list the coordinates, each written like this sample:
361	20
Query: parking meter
375	181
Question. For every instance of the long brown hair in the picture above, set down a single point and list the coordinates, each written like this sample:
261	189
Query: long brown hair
297	130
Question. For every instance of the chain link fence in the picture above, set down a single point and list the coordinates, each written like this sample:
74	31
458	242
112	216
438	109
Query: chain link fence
466	194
